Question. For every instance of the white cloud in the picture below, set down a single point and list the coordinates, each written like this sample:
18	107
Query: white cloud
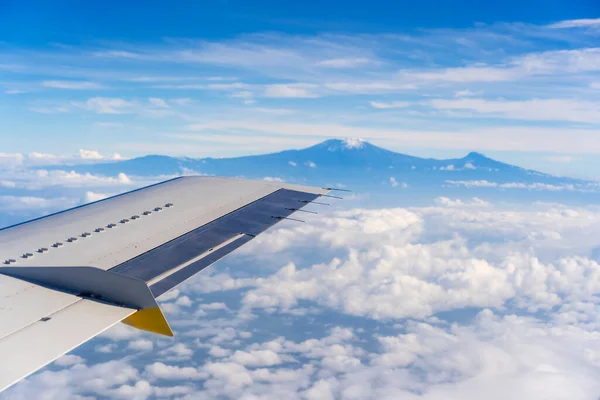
107	348
170	295
395	183
219	352
518	138
42	159
180	350
35	179
11	160
430	278
521	185
106	105
14	203
14	91
231	374
321	390
181	101
561	159
559	62
473	183
275	111
172	391
68	360
452	167
8	184
467	93
89	155
141	345
92	196
577	23
72	85
245	94
534	109
258	358
310	164
272	179
157	102
100	380
159	370
121	332
462	75
214	306
290	91
393	104
344	62
184	301
475	201
528	263
293	164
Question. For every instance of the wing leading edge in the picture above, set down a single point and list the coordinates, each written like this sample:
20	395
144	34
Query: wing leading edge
67	287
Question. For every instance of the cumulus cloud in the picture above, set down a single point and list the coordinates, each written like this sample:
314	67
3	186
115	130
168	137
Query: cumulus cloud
103	380
257	358
158	370
90	196
406	276
429	278
141	345
89	155
68	360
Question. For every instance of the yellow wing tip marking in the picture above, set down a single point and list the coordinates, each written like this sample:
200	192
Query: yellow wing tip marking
151	320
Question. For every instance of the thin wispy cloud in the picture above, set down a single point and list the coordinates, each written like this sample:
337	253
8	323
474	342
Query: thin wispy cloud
72	85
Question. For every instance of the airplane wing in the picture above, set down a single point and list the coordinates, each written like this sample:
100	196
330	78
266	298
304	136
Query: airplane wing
67	277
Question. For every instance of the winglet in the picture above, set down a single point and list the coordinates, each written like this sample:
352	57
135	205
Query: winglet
151	320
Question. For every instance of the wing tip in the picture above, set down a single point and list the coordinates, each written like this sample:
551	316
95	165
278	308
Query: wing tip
150	320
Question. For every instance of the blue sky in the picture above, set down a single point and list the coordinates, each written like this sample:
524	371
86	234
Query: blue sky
519	82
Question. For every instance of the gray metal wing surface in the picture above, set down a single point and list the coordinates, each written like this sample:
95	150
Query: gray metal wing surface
67	277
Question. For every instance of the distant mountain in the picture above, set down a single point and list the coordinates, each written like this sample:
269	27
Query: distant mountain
349	161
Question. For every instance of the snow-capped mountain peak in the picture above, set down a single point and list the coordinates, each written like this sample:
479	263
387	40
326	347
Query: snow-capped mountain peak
344	144
353	143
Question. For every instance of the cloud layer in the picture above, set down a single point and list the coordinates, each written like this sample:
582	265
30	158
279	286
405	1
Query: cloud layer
435	302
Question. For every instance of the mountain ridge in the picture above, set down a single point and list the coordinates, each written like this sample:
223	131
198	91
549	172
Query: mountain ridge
333	160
